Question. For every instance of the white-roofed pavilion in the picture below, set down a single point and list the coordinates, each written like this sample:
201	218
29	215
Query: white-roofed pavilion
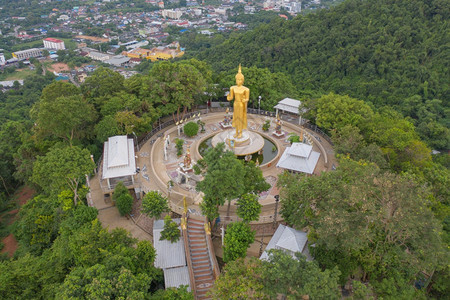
119	162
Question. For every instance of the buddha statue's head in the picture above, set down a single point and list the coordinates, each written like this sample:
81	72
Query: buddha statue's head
239	77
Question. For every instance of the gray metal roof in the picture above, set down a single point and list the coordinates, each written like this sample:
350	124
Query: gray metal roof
168	255
294	158
290	240
175	277
118	157
289	105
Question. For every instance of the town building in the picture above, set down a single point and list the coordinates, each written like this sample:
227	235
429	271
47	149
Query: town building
27	54
158	53
2	59
98	56
171	14
56	44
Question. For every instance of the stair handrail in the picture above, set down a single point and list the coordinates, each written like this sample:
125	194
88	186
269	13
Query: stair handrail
187	250
212	255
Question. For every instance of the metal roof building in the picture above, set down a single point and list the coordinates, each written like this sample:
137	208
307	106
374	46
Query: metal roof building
118	158
299	158
170	257
290	241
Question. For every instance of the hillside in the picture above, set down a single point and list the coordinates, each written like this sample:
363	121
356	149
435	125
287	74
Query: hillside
379	51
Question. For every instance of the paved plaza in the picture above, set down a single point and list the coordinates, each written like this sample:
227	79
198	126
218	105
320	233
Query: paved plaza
156	171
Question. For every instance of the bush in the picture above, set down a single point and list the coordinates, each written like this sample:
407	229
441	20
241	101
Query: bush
190	129
170	231
179	145
293	138
266	125
123	199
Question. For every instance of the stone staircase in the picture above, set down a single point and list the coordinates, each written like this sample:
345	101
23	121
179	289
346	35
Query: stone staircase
200	258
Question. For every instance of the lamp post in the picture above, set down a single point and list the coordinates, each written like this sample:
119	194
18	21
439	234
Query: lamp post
137	145
277	198
259	104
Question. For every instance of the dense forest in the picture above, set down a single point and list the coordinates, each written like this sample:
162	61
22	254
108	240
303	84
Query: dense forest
374	75
386	52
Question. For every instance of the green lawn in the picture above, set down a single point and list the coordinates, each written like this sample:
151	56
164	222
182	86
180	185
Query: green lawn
17	75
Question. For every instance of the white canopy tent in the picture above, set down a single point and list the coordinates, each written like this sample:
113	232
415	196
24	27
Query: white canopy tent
118	158
299	158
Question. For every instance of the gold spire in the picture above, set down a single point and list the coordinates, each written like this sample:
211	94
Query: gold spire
239	74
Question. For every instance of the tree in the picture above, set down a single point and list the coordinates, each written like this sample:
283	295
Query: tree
173	86
123	199
180	293
334	111
238	238
378	219
190	129
281	275
241	279
102	84
254	181
154	204
68	118
62	168
248	207
171	232
223	179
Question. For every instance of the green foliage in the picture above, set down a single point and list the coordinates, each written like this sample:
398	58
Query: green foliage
179	145
334	111
254	181
266	125
154	204
282	275
293	138
171	232
173	87
62	168
190	129
223	180
102	84
238	238
63	113
180	293
241	279
378	219
123	199
248	207
255	279
39	223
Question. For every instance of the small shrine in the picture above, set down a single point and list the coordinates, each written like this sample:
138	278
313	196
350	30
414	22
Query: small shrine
278	132
227	120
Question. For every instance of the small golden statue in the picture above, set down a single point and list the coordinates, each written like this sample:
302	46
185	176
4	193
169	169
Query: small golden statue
187	159
241	95
278	126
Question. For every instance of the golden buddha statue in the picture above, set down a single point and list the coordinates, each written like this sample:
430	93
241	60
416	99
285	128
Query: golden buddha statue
241	95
